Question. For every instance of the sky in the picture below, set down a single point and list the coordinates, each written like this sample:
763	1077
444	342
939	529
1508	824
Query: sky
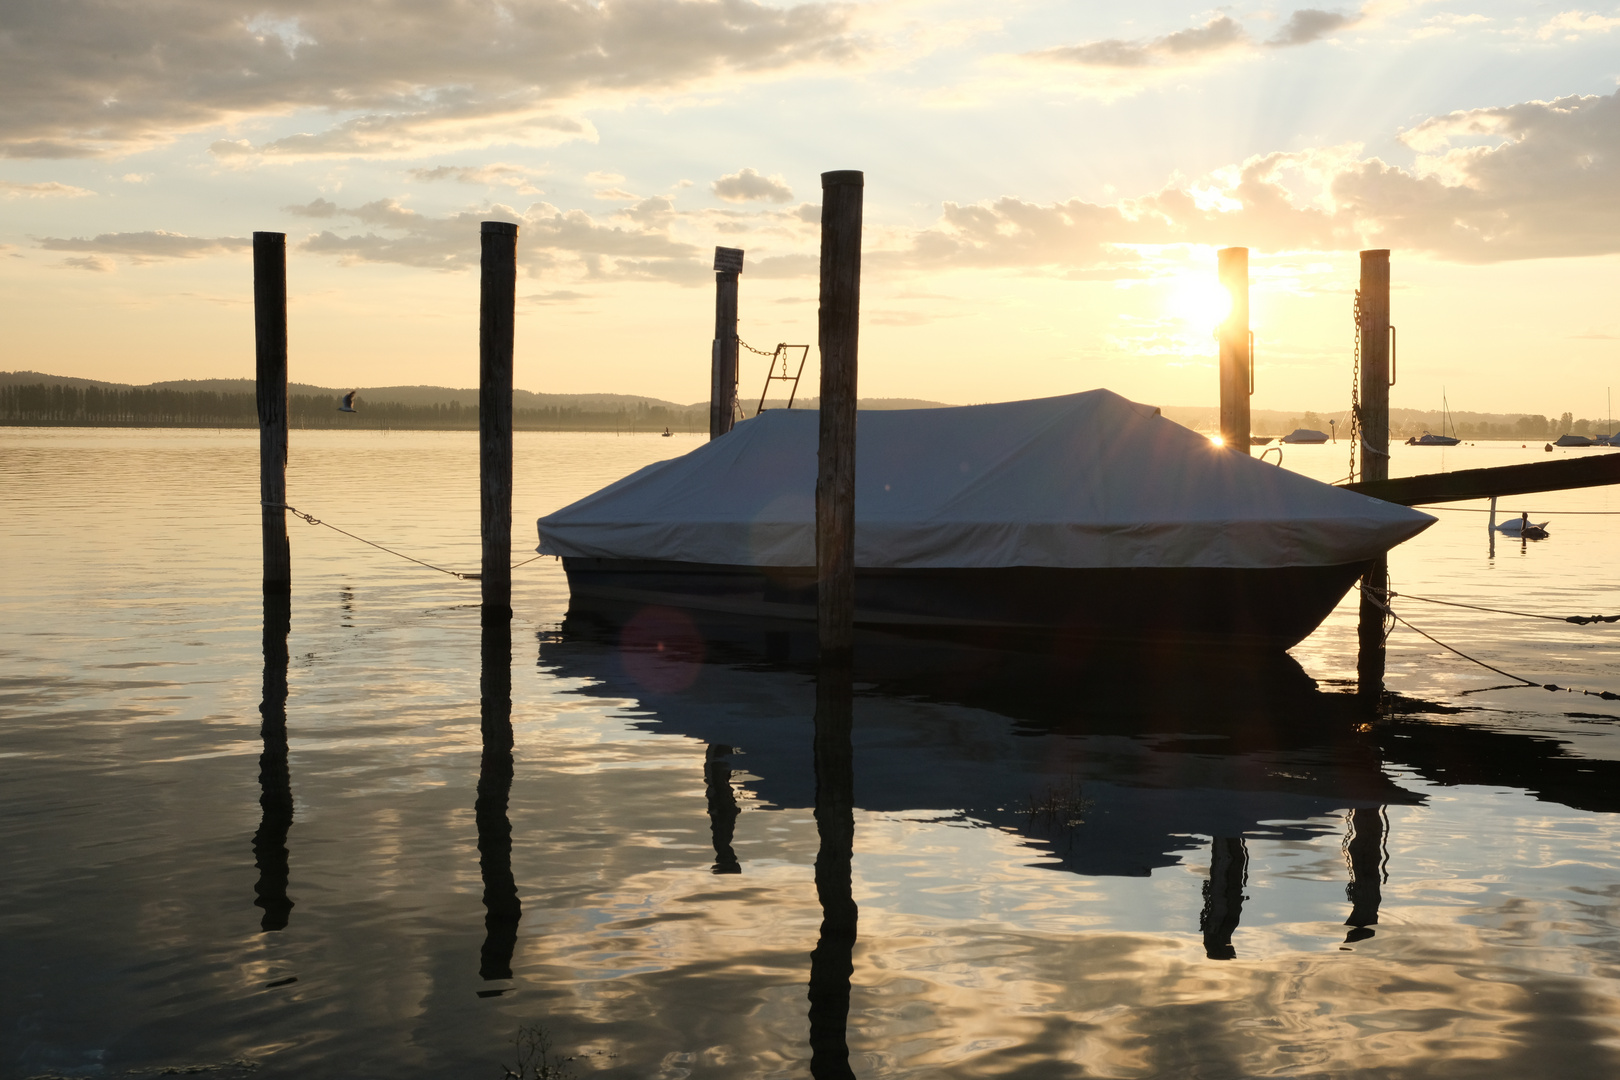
1046	187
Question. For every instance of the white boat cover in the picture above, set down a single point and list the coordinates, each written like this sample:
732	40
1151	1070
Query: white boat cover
1083	480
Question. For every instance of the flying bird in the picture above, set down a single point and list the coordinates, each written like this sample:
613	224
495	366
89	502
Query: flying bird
348	402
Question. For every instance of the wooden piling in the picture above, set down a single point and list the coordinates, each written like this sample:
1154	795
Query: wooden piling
270	373
841	198
728	264
1236	356
497	310
1373	327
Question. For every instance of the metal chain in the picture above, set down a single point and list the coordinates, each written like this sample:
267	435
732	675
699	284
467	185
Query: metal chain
1355	390
756	352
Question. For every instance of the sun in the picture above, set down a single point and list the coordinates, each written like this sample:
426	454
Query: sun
1199	301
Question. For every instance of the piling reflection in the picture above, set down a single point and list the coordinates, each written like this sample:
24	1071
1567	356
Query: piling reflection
1364	852
502	908
723	809
832	964
1223	896
270	855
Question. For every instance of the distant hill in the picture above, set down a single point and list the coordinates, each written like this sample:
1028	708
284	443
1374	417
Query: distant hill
32	397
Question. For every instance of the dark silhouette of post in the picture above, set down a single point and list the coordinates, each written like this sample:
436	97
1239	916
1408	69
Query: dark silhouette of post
1237	360
841	196
270	378
497	308
728	264
1223	896
832	962
502	908
270	855
1373	326
723	809
1364	850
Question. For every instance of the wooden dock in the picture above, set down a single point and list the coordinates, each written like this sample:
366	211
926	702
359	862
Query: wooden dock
1596	471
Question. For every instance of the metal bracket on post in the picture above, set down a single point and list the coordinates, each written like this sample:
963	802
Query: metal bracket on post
1251	363
1392	360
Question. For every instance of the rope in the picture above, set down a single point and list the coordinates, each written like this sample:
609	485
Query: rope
313	520
1486	510
1579	620
1387	610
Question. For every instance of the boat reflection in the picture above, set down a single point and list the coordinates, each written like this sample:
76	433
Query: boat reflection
1100	765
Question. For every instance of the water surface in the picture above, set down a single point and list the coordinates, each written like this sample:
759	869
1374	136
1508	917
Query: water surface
1053	869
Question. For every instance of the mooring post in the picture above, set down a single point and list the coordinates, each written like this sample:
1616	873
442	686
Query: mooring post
270	370
497	308
728	263
841	195
1237	358
1374	423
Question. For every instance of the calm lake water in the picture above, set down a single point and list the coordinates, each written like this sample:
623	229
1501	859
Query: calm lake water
1058	871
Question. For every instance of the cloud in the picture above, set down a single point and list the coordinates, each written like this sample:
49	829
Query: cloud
100	264
1181	47
48	189
1535	180
516	177
92	77
142	247
1308	24
749	185
319	208
550	240
1573	25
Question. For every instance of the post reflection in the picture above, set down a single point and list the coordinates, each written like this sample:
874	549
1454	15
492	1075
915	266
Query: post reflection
831	964
723	809
502	908
270	856
1364	851
1223	896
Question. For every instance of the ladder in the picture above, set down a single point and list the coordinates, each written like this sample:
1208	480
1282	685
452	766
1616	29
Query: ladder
782	354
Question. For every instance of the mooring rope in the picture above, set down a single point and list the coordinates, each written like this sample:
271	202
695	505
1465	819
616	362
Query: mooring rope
1486	510
1579	620
1383	606
313	520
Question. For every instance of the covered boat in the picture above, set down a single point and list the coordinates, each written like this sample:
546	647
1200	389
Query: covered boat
1078	515
1304	435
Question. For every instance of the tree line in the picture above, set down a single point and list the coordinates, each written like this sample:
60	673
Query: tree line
39	404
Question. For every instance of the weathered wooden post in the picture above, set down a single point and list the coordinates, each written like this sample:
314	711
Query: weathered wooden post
841	196
270	370
832	962
1373	420
1237	359
497	310
728	263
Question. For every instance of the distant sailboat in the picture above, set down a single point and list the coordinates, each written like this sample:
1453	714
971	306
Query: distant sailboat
1442	439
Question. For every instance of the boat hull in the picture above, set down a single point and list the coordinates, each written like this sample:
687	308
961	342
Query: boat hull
1272	608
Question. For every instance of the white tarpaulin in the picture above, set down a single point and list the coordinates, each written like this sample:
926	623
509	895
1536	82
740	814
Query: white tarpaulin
1084	480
